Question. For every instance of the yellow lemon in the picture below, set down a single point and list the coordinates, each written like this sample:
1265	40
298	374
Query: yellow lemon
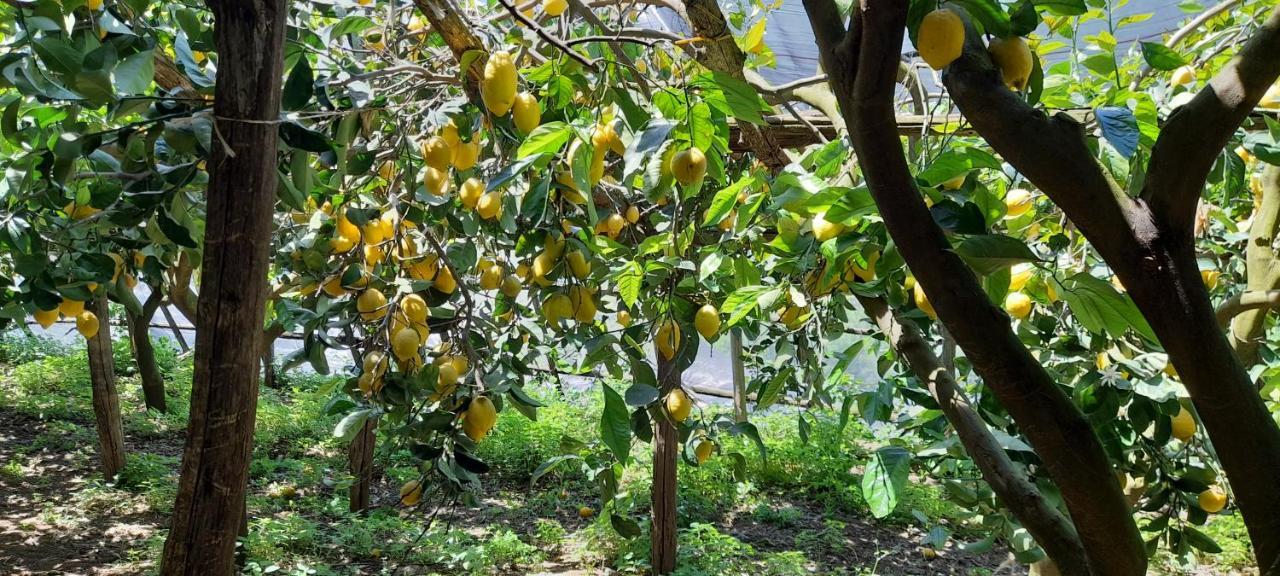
689	166
87	324
405	343
707	321
411	493
371	304
922	302
624	318
678	405
578	264
70	308
1213	500
668	339
511	286
703	450
633	214
1210	278
552	7
955	183
1018	305
1183	76
436	181
46	318
1019	276
471	192
466	154
1015	60
490	205
526	114
1183	425
480	418
940	38
1017	202
498	88
823	229
414	308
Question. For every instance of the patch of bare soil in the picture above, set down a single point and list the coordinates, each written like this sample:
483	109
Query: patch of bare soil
44	528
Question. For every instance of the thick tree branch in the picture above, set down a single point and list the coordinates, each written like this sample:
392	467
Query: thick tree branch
720	53
1262	268
1244	302
1050	151
1181	34
447	20
1057	430
1197	132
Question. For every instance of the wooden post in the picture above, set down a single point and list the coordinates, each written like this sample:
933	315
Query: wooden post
360	459
739	376
666	451
210	507
106	402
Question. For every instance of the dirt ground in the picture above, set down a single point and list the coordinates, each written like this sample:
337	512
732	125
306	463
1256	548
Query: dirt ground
51	522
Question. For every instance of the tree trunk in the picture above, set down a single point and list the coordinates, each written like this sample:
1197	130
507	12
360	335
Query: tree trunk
241	197
666	451
1148	241
360	461
863	64
739	376
106	402
144	354
1167	288
1050	528
1262	268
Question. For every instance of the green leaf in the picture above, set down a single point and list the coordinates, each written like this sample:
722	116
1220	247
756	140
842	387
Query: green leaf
351	25
545	139
298	88
990	14
1101	309
743	301
724	200
744	101
510	172
991	252
1200	540
550	465
1161	57
641	395
885	478
701	129
647	144
630	279
1063	7
773	389
351	424
615	425
749	430
134	74
955	162
58	55
303	138
625	527
175	231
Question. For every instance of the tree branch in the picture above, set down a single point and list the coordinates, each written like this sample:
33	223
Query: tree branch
1060	434
1180	34
1244	302
546	36
1197	132
1050	151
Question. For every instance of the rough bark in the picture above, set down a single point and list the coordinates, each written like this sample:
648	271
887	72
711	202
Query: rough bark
144	353
1148	242
863	66
233	289
1053	531
1262	268
720	52
106	401
666	451
360	464
448	21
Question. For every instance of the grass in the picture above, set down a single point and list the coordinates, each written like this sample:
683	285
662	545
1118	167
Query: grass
805	496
